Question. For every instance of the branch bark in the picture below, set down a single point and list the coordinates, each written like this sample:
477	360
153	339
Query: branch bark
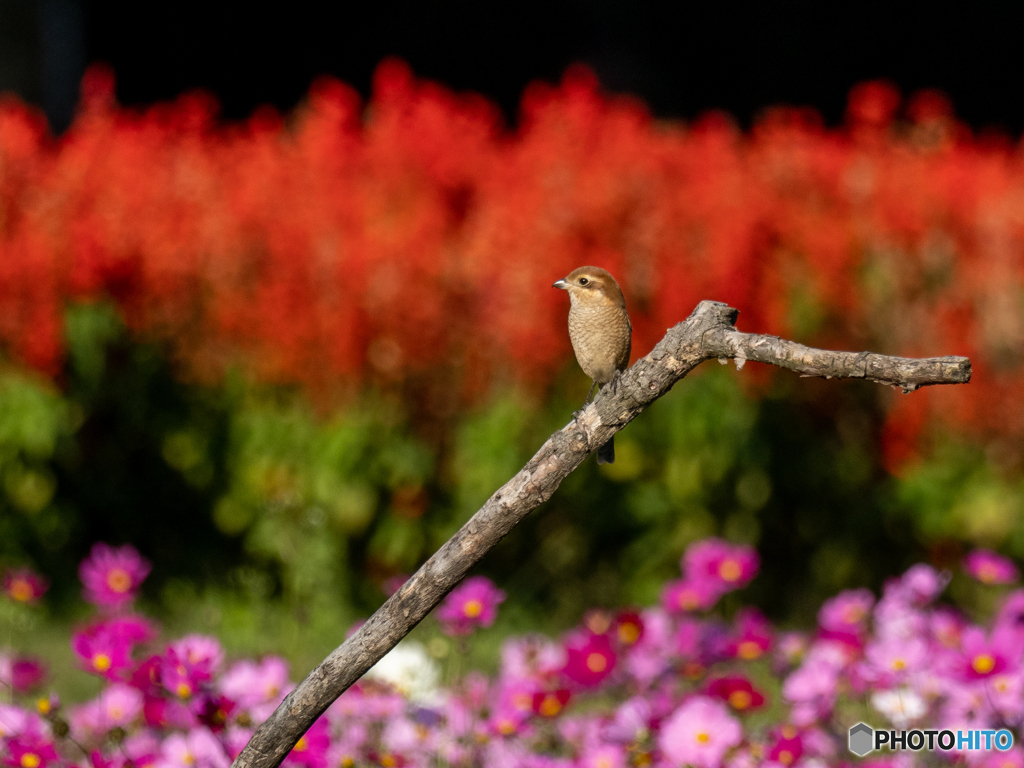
708	333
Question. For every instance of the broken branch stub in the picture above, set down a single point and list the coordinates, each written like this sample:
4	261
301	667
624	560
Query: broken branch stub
707	334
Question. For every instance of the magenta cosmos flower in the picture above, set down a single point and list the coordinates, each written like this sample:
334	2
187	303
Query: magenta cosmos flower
472	604
699	733
847	613
724	565
112	576
589	659
989	567
981	658
30	750
690	595
24	586
737	691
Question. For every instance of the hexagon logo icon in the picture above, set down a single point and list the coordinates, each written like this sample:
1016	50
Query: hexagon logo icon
862	739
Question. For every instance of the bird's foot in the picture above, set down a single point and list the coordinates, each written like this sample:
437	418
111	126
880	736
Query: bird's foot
614	383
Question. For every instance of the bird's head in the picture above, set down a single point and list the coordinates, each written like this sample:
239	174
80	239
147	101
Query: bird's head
591	285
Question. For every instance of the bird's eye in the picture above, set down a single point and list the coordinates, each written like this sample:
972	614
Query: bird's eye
583	281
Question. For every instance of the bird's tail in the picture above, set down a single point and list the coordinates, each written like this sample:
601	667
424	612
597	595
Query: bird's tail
606	453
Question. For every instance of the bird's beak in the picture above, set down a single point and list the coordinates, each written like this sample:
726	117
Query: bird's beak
560	284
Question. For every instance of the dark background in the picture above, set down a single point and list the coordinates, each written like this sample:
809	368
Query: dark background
681	58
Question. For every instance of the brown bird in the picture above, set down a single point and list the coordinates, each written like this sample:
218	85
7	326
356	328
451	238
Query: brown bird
600	331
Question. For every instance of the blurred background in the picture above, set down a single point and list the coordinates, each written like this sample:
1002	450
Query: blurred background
275	303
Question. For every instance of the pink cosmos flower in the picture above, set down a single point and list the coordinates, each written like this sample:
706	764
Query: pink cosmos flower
119	705
506	720
30	750
690	595
105	648
550	703
189	664
102	652
472	604
15	721
753	637
921	584
531	656
632	722
236	738
196	749
310	751
699	733
893	659
847	612
989	567
736	691
787	746
589	659
22	674
112	577
982	657
23	585
790	649
727	566
603	756
257	688
650	656
946	626
1011	758
628	628
813	686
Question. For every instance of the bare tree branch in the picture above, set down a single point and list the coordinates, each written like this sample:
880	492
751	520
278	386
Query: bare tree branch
707	334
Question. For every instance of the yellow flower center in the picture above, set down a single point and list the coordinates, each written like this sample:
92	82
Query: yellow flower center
388	761
30	760
21	590
115	712
596	662
550	706
506	727
119	580
687	600
788	732
987	573
301	745
785	757
703	737
101	662
189	759
629	633
522	701
603	762
852	614
748	650
473	608
983	664
899	664
740	699
184	690
730	570
43	706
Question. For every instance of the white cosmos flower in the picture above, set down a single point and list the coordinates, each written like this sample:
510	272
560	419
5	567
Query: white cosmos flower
900	705
409	668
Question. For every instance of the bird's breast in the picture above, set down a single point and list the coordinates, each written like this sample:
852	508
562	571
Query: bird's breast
600	338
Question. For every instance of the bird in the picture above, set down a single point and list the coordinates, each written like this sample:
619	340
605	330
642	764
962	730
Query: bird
600	331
